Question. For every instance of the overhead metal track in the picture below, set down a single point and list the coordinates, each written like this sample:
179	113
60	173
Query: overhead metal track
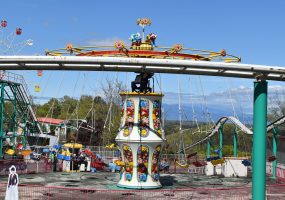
173	66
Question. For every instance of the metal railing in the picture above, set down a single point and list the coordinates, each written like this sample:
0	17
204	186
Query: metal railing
17	78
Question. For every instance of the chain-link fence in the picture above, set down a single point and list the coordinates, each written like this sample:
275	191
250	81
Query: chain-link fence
26	166
30	192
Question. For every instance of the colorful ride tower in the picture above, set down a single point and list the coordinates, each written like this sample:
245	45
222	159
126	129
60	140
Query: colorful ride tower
140	140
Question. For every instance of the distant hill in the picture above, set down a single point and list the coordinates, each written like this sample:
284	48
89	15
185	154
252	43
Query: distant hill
214	112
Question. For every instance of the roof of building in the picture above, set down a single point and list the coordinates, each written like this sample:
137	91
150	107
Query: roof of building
50	120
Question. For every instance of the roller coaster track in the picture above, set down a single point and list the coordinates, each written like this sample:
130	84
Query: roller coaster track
277	122
173	66
238	124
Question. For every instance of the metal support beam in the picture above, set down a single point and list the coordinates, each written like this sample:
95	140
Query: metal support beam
14	118
2	85
221	142
235	141
208	148
24	140
259	140
274	151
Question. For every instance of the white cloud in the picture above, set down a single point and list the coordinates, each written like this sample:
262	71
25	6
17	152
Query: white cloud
239	98
278	87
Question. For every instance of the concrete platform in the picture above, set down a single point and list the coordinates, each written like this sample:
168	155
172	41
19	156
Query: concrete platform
108	180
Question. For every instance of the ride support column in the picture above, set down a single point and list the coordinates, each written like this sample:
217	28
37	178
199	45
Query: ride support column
208	148
235	142
24	132
274	151
2	85
221	142
259	140
15	112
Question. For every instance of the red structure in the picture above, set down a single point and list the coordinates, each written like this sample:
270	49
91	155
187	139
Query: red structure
40	72
18	31
50	120
3	23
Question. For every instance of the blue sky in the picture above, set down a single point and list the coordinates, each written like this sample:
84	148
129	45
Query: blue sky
253	30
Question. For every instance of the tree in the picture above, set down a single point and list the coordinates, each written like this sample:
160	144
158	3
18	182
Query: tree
101	113
112	90
68	105
50	109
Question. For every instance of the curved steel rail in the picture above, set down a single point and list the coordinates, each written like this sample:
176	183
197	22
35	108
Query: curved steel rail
236	122
278	121
216	128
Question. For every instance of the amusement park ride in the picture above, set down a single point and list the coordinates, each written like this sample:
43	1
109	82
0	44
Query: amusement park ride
17	119
8	46
141	136
145	47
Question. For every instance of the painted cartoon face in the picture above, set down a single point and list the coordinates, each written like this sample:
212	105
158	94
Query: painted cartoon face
144	112
133	36
153	36
138	36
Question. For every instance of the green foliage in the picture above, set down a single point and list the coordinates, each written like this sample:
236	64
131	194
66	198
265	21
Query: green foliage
70	108
175	139
94	110
52	108
68	105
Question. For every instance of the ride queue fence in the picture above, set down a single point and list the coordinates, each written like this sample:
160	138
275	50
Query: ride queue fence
280	170
46	166
26	166
33	192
